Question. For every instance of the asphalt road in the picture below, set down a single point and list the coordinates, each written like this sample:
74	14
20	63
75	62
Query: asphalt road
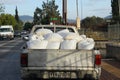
10	59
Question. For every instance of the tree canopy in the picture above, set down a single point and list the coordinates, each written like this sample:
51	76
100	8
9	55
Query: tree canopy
7	19
115	10
48	12
93	23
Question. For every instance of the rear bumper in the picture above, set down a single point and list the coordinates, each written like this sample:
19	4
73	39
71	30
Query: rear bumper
68	74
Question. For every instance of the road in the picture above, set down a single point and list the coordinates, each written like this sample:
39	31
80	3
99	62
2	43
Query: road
10	62
9	59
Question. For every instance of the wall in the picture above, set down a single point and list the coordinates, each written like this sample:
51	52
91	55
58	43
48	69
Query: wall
113	51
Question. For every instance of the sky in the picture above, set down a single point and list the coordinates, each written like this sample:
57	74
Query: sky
86	8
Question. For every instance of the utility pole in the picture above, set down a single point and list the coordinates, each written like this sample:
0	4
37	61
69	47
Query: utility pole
65	11
77	19
119	6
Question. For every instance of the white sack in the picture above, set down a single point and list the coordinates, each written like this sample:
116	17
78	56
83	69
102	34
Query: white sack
37	44
63	33
74	36
53	45
53	37
43	32
68	44
90	39
33	37
40	37
86	45
83	36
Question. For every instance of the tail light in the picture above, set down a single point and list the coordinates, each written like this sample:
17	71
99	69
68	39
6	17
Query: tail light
98	59
24	60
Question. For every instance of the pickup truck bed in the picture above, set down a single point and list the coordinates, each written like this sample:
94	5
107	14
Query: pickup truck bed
70	61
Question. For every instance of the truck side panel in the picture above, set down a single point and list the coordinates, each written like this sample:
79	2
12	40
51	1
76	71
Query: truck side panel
61	59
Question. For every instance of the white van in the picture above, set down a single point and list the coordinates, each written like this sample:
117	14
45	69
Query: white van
6	31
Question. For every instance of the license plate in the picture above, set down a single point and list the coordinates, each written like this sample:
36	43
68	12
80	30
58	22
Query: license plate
62	75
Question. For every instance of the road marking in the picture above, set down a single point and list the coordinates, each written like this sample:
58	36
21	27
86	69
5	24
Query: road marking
6	43
111	69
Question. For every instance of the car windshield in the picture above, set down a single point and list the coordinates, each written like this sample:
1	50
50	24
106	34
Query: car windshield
4	29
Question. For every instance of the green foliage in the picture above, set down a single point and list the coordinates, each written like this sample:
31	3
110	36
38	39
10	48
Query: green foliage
18	25
115	10
27	26
7	19
48	11
16	15
93	23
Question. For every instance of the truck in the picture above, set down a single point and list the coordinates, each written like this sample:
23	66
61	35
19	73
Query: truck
6	32
57	63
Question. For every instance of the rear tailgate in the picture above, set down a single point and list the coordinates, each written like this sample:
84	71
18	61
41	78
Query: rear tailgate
61	59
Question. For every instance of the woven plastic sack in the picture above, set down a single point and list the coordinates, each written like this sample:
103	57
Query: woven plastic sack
54	37
86	45
43	32
37	44
63	33
53	45
74	36
68	44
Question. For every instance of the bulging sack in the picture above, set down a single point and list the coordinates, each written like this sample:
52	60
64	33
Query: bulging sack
63	33
43	32
86	45
54	37
37	44
68	44
33	37
73	36
53	45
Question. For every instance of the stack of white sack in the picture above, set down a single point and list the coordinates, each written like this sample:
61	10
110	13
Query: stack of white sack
54	40
46	39
37	44
68	44
86	44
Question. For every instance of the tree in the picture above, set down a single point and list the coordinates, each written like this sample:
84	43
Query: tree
48	11
7	19
37	16
27	26
19	23
16	15
115	10
1	8
93	23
